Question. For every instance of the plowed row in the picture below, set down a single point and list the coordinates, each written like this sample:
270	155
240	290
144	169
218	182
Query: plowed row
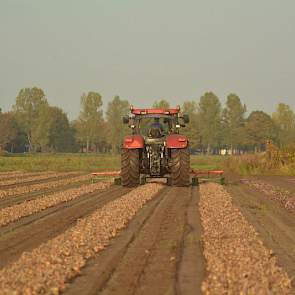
237	260
21	175
61	258
102	239
27	178
283	196
16	212
41	186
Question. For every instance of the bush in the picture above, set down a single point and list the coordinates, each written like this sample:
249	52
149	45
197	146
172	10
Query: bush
273	161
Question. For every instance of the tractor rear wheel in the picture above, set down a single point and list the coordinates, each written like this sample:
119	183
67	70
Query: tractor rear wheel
130	172
180	167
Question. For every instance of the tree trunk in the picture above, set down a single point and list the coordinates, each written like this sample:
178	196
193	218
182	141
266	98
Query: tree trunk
256	149
87	145
30	143
208	149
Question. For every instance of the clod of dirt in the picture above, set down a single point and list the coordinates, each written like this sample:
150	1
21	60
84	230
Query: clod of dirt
284	197
237	260
51	265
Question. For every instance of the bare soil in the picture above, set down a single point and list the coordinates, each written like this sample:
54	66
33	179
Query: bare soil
29	232
39	179
161	249
19	198
284	182
275	225
159	253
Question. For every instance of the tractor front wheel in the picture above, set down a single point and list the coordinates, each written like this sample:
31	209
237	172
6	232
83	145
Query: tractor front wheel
180	167
130	172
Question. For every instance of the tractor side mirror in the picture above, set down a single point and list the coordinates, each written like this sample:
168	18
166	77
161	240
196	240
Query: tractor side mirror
185	118
125	119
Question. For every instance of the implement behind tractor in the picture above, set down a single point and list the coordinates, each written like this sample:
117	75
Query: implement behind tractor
156	149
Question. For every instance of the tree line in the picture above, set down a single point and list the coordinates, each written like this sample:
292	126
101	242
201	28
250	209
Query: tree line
33	125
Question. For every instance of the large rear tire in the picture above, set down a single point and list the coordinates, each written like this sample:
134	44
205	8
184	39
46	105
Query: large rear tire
180	167
130	167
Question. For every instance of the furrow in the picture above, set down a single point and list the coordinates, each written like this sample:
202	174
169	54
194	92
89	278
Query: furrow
13	213
62	258
237	260
36	178
31	231
41	186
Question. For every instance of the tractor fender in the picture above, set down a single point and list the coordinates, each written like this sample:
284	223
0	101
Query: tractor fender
176	141
133	142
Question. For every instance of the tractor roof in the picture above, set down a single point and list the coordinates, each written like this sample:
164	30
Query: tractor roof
155	111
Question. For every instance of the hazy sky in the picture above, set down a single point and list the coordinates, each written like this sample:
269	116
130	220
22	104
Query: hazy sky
144	50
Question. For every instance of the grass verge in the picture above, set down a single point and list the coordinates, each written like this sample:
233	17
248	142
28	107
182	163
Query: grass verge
85	162
60	162
258	164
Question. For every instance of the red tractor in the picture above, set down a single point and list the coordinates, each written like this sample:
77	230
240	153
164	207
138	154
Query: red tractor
155	148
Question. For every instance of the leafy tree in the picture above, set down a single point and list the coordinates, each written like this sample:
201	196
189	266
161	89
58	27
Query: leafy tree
284	119
27	108
161	104
8	129
233	121
210	120
192	129
61	134
117	108
79	133
259	129
41	130
91	119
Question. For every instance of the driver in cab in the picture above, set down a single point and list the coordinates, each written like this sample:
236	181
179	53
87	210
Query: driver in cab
156	129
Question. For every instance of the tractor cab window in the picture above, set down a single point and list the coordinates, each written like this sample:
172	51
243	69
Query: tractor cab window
154	126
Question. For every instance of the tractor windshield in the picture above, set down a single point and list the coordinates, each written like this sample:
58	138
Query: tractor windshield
154	126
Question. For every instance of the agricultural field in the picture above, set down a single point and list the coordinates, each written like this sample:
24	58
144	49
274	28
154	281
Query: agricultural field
62	233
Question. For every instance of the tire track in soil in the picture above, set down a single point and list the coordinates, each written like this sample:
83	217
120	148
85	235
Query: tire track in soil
29	232
14	200
159	252
276	226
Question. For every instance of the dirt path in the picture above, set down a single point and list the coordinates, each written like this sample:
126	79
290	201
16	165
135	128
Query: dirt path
275	225
159	253
31	231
